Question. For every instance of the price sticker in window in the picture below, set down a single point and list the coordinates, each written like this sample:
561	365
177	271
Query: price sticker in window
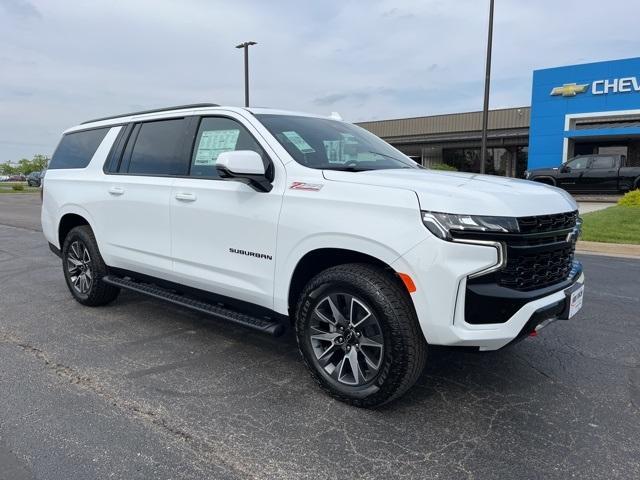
299	142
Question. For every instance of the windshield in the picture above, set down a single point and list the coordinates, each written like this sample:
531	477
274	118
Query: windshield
331	145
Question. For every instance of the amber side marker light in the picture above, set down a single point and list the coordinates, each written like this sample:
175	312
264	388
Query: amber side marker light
406	279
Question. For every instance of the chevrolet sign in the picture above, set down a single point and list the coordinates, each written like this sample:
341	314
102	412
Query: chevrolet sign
570	89
617	85
599	87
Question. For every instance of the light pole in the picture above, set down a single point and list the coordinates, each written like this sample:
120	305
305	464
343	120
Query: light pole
246	46
487	81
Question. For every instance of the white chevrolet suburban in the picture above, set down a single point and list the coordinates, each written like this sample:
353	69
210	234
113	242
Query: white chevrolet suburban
268	218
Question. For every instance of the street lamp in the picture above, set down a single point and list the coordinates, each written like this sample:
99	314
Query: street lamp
487	80
246	46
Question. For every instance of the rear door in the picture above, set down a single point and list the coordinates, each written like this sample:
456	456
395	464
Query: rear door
134	207
602	174
224	232
570	175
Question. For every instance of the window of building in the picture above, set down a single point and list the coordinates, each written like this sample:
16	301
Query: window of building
159	149
76	149
462	159
499	161
522	160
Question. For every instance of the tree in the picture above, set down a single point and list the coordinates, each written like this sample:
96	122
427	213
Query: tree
8	169
40	162
25	166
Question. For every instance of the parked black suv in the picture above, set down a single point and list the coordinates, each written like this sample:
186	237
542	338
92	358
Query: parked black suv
35	178
590	173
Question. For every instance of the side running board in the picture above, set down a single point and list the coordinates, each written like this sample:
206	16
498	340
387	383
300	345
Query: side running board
261	324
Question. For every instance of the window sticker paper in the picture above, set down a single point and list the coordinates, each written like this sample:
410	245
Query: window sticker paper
213	143
299	142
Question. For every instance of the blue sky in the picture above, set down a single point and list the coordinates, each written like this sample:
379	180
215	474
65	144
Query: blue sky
62	62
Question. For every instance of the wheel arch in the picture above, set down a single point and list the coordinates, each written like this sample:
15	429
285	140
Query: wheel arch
68	222
318	260
546	180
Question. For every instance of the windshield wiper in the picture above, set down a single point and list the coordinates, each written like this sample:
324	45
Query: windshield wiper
402	162
351	168
387	156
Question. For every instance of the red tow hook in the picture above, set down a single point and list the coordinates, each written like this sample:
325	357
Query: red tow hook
533	334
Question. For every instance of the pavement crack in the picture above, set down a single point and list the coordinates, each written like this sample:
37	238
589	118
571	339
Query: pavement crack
155	417
533	367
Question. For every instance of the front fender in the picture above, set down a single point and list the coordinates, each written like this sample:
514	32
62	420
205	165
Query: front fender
355	243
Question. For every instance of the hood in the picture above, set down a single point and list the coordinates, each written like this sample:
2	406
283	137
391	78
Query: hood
454	192
548	170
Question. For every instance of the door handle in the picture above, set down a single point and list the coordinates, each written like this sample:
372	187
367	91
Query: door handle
186	197
116	190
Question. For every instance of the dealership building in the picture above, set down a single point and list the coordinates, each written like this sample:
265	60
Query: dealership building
575	110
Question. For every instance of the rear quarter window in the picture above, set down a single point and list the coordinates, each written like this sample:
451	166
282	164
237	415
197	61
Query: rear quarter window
76	149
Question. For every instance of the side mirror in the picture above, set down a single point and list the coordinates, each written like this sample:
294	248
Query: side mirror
565	169
244	166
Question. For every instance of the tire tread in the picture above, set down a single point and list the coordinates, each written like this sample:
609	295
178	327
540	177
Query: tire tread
101	293
409	349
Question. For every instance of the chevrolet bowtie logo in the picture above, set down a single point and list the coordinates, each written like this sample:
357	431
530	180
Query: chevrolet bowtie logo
570	89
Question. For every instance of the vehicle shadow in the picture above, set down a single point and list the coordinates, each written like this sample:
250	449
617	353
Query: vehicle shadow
449	371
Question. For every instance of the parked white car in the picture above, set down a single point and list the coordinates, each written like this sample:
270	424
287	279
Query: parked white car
268	219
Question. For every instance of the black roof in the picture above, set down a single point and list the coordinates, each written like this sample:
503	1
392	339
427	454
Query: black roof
155	110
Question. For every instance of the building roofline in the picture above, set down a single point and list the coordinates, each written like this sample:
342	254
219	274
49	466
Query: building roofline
584	64
441	115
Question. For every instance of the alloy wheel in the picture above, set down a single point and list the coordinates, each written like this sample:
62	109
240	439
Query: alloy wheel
346	339
79	267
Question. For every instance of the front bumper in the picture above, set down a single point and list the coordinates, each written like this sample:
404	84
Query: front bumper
441	271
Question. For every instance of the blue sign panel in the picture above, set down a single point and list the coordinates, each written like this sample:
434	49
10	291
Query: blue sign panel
561	96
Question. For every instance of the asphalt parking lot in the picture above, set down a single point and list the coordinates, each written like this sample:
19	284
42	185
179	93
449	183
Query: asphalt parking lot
142	389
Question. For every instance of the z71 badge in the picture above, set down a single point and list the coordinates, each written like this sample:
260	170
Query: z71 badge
310	187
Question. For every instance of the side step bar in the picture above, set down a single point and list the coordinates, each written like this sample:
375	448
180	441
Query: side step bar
261	324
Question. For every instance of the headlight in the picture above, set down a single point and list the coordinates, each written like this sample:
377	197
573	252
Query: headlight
442	224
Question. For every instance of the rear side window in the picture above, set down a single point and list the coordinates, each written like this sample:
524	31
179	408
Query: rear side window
603	162
76	149
159	149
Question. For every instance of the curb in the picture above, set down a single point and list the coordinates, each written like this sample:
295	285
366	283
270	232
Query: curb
597	198
624	250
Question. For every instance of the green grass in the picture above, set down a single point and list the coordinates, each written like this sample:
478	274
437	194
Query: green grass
612	225
7	187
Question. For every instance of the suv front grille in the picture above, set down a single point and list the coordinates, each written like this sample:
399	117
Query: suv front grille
547	223
539	256
529	271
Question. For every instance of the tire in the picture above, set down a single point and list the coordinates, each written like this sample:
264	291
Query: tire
372	308
84	268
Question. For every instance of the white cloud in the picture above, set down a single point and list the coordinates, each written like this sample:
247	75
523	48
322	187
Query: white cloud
64	62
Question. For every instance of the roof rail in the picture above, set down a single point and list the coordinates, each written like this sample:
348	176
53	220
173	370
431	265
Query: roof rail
155	110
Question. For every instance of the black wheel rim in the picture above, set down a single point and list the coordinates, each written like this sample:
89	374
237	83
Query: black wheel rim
346	339
79	267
